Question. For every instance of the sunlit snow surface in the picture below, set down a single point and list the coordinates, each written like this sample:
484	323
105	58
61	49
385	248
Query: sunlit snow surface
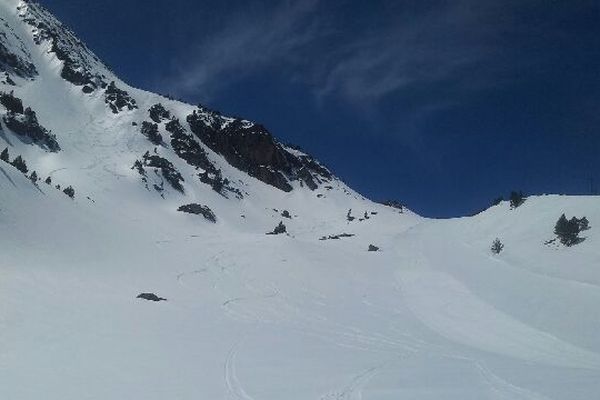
433	315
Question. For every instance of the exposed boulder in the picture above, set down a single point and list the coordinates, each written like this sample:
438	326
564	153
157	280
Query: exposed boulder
372	247
199	209
337	237
150	297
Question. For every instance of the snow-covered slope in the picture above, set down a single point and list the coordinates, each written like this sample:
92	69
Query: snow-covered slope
432	315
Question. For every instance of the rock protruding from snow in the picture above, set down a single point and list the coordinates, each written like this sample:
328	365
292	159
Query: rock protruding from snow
118	99
25	124
199	209
252	149
162	165
150	297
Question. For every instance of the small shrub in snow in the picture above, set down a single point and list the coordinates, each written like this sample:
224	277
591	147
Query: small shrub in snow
497	246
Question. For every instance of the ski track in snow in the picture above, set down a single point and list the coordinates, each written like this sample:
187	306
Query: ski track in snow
235	390
446	306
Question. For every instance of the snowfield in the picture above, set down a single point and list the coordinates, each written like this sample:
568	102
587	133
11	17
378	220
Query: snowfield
248	316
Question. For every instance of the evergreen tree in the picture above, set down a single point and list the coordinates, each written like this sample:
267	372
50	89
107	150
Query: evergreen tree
516	199
48	181
567	230
4	155
584	224
20	164
34	177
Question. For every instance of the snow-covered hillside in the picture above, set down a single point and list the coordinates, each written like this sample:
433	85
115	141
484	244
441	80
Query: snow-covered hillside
311	314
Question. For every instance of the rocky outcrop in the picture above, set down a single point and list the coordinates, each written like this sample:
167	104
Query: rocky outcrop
158	113
150	297
118	99
187	148
24	123
252	149
159	165
81	66
199	209
150	130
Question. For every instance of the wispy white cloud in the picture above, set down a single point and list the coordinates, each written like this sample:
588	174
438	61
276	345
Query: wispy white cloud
452	44
245	45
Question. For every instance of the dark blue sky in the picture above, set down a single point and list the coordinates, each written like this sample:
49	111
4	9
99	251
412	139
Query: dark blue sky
443	105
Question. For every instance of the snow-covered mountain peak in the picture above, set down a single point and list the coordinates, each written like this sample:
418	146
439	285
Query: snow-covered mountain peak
72	119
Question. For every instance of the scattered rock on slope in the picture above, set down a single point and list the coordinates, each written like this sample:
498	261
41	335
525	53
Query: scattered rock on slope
150	297
199	209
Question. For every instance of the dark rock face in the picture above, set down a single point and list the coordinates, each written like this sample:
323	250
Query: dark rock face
12	103
158	113
219	184
14	61
187	148
166	168
150	130
118	99
252	149
150	297
79	63
199	209
26	125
